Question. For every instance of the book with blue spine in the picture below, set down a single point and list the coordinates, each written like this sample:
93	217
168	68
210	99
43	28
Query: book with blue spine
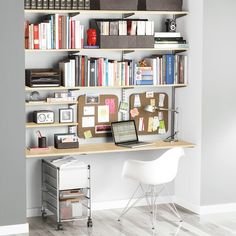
170	66
144	82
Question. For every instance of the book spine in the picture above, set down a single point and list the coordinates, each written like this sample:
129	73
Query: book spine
87	4
185	69
63	5
33	4
74	5
68	4
169	69
60	32
163	79
36	36
51	4
181	69
39	4
73	34
45	4
144	82
27	4
57	4
80	5
27	35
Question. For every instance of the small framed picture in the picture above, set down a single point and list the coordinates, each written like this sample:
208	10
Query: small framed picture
66	115
92	99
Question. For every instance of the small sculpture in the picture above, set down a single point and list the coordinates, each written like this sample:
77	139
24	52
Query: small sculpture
91	37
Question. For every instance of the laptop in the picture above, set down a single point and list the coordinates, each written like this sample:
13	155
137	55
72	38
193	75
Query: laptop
125	134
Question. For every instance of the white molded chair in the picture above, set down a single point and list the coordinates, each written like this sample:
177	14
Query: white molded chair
153	174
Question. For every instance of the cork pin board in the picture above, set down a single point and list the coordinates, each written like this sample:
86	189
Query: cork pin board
95	114
146	121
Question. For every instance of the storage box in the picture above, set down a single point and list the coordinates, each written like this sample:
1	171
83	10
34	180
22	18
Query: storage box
118	4
163	5
71	176
71	208
126	41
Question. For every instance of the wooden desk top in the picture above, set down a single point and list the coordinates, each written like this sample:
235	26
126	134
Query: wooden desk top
100	148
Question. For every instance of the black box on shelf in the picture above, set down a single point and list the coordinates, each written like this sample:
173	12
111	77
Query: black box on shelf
65	141
161	5
126	41
118	4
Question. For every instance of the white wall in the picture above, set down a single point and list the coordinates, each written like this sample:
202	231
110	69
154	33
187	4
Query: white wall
219	110
187	184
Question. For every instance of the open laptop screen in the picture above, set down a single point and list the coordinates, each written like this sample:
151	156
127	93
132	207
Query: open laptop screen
124	131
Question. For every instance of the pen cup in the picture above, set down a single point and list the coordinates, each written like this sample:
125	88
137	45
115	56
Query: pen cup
42	142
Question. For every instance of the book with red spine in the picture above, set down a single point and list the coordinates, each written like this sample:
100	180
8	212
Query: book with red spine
100	62
36	36
60	32
72	34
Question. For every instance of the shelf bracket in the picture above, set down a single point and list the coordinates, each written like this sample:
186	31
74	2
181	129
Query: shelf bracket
127	15
179	15
74	14
73	52
128	51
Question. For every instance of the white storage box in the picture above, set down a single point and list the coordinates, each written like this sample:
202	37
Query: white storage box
72	174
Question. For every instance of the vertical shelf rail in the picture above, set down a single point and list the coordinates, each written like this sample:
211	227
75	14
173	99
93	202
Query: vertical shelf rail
172	118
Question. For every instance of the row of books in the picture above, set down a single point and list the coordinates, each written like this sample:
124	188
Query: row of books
58	4
79	70
54	32
126	27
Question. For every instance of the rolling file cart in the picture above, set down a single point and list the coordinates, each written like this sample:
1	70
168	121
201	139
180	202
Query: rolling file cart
66	190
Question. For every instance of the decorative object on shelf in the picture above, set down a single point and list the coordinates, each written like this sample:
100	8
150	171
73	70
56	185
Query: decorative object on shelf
65	141
171	25
91	37
42	141
62	97
42	78
34	96
43	117
66	115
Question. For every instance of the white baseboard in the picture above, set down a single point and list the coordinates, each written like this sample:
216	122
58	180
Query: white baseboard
14	229
219	208
189	206
96	206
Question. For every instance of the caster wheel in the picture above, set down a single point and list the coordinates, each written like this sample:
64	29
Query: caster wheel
89	223
59	227
44	215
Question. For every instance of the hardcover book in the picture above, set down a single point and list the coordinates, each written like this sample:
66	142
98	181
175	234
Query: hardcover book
74	4
63	4
45	4
68	4
39	4
51	4
87	4
57	4
81	4
27	4
33	4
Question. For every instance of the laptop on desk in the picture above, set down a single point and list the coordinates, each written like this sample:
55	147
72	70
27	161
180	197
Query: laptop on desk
125	134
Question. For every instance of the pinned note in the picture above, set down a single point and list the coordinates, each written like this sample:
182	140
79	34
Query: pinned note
141	124
150	124
88	134
161	99
137	102
149	94
162	128
111	103
155	123
134	112
153	102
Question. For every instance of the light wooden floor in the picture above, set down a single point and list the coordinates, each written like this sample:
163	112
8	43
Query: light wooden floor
136	223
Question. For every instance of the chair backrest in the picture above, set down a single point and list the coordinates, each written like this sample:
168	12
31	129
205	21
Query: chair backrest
160	171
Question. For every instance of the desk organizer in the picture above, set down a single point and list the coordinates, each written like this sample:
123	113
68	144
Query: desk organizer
64	145
126	41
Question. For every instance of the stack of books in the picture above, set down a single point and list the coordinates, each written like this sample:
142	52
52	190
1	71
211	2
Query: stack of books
169	40
82	71
58	4
54	32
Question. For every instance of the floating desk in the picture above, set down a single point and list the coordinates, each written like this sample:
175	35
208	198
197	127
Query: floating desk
100	148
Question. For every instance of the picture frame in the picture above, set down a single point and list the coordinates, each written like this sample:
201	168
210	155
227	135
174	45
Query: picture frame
66	115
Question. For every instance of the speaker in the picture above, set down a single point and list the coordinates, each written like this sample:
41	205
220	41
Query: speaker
170	25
